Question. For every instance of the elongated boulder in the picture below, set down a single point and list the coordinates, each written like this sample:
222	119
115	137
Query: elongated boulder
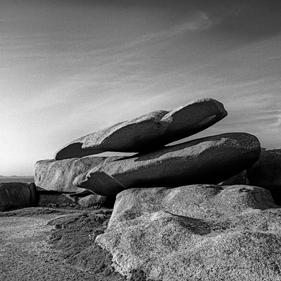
148	132
266	172
15	195
58	175
206	160
197	232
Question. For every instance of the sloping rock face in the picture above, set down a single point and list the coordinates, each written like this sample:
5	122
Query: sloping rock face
17	195
266	172
207	160
197	232
148	132
240	178
59	175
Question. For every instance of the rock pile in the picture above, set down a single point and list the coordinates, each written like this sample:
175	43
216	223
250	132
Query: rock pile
198	210
207	160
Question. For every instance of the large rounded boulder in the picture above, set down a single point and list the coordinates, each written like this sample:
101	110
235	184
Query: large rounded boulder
197	232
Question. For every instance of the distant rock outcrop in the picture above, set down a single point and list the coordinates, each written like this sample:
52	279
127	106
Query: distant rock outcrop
197	232
207	160
148	132
15	195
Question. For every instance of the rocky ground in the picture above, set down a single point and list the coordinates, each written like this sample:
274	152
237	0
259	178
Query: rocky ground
48	243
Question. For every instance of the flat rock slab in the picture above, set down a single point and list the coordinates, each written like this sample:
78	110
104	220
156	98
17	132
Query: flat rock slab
59	175
206	160
15	195
148	132
198	232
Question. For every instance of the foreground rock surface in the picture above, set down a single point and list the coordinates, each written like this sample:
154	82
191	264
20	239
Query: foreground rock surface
266	172
197	232
17	195
149	131
207	160
38	245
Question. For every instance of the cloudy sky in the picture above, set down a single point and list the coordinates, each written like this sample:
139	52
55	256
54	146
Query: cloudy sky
71	67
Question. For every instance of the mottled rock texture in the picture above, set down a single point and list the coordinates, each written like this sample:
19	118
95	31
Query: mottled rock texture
91	200
266	172
59	175
197	232
207	160
148	132
17	195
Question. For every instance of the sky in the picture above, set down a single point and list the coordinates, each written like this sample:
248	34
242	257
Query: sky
69	68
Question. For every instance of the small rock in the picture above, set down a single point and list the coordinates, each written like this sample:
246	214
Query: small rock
92	200
198	232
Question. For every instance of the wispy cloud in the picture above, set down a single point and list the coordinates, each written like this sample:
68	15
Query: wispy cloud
199	21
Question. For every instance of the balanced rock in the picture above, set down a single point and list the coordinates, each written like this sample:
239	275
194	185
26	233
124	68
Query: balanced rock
59	175
148	132
15	195
206	160
266	172
197	232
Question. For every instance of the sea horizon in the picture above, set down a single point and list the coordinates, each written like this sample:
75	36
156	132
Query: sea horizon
4	179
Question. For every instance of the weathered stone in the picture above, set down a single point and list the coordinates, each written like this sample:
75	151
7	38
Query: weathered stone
197	232
266	172
194	201
15	195
54	199
207	160
148	132
92	200
59	175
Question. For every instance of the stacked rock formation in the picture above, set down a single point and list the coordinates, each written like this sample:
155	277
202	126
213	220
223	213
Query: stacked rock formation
182	212
207	160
